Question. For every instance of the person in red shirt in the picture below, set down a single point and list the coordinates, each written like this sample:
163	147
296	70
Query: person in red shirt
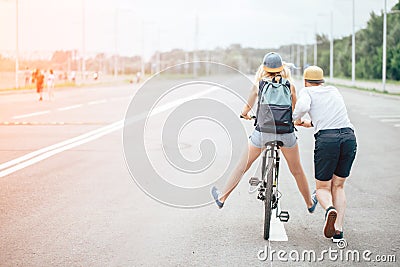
39	77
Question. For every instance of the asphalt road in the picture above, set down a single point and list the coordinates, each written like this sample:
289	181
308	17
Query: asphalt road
69	198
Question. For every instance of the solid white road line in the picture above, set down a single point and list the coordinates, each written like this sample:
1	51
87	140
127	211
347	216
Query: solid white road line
55	146
70	107
277	230
97	102
397	125
31	114
38	155
59	150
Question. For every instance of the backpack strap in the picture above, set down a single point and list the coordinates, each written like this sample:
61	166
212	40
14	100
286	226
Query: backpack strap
261	85
287	83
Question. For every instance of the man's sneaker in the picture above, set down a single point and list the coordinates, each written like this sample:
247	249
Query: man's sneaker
315	202
215	193
330	218
337	236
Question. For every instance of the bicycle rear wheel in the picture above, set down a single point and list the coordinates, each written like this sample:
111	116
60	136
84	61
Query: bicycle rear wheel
268	199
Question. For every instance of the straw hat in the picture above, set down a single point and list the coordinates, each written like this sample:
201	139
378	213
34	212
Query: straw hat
314	74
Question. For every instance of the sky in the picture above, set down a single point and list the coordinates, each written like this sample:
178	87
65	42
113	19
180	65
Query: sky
136	27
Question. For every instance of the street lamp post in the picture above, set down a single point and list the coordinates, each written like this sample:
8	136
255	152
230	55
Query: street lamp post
384	58
83	41
353	49
330	44
143	67
384	48
298	60
195	45
116	44
17	45
315	45
142	57
331	50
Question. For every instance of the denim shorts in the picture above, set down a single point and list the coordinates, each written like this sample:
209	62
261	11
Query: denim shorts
258	139
334	153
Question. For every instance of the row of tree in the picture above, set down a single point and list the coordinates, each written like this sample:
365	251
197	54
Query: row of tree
368	52
368	49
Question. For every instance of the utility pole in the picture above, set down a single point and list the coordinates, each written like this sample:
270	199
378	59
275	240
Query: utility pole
331	50
298	59
83	41
196	40
305	52
142	57
116	44
17	44
384	48
315	46
353	49
158	49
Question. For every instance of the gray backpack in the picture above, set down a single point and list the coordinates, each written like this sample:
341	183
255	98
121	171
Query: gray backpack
274	113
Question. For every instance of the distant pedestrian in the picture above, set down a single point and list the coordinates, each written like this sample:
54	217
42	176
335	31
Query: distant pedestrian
33	78
73	77
39	77
27	75
138	77
335	145
50	84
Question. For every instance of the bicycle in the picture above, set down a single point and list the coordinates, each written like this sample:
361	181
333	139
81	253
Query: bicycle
268	185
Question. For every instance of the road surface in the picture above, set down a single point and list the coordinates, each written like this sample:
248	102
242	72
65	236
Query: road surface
67	197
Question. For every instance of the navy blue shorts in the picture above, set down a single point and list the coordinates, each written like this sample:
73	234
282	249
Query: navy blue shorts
334	153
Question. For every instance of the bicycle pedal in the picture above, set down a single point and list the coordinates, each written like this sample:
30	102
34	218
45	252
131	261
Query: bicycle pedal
284	216
254	181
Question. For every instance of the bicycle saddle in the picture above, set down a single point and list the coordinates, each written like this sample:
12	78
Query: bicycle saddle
274	143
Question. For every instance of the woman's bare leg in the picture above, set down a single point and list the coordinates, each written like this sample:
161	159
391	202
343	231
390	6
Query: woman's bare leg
245	163
292	157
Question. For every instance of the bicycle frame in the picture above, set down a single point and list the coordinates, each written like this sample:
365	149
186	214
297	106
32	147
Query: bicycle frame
268	185
270	155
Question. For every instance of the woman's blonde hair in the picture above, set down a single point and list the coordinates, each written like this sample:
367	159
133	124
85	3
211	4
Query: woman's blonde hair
285	73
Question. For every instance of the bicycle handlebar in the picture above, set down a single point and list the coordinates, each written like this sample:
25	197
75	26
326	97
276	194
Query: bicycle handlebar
252	117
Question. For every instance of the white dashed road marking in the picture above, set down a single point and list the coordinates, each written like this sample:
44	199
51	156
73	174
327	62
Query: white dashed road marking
70	107
31	114
97	102
59	109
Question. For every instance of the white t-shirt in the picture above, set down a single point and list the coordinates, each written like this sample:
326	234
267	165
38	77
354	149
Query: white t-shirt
325	106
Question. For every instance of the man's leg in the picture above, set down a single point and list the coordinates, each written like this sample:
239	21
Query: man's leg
324	193
339	200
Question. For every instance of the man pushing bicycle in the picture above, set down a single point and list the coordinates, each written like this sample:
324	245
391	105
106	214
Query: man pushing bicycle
335	145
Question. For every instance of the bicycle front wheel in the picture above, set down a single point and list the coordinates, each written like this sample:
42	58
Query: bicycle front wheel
268	202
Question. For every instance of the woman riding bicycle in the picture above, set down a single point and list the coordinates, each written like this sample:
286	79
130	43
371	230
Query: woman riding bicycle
272	70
